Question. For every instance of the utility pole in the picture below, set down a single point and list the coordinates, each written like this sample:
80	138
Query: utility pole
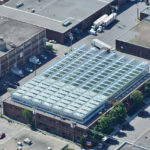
71	39
73	125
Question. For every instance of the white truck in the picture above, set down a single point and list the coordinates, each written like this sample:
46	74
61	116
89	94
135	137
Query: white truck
17	71
100	21
109	19
99	44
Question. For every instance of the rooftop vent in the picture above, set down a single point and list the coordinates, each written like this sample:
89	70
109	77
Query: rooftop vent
12	45
2	44
67	22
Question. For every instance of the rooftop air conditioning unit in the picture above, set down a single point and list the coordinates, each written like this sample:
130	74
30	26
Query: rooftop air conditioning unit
67	22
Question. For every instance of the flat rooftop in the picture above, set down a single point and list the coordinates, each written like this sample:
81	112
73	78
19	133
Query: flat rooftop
144	140
146	10
15	33
138	35
78	85
54	12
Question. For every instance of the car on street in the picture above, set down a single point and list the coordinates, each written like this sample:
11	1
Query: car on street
2	135
28	69
43	57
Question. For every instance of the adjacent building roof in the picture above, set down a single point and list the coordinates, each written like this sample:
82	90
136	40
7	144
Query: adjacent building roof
51	14
138	35
15	33
78	85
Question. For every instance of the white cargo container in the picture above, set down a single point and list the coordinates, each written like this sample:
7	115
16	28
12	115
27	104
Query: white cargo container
100	20
109	19
99	44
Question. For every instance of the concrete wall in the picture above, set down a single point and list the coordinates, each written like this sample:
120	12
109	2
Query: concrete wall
133	49
53	35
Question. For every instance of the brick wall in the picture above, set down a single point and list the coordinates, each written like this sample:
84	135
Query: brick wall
4	1
50	123
133	49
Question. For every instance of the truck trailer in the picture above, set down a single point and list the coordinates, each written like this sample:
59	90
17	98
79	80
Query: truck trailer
99	44
109	19
100	21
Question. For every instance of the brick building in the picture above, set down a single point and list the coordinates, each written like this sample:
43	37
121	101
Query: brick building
68	96
18	41
80	17
136	40
3	1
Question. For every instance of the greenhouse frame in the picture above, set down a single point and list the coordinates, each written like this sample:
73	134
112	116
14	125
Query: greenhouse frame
79	85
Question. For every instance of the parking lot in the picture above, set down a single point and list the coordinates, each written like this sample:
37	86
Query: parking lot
137	131
40	141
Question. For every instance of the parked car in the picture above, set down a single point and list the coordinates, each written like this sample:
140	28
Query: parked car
65	54
16	83
43	57
20	4
17	72
12	85
27	69
33	10
19	148
27	141
34	60
2	135
100	145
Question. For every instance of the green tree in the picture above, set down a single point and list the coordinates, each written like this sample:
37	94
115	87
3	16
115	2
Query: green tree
122	112
104	125
118	114
136	98
82	140
49	47
147	88
95	136
28	116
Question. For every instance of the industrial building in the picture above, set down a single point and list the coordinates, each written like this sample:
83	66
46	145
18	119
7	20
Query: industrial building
18	41
136	40
59	18
75	89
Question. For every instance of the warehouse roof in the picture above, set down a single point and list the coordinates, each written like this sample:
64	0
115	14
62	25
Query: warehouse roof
15	33
138	35
51	14
146	10
77	86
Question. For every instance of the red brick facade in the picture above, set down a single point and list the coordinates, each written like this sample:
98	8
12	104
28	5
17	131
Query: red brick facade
46	122
3	1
